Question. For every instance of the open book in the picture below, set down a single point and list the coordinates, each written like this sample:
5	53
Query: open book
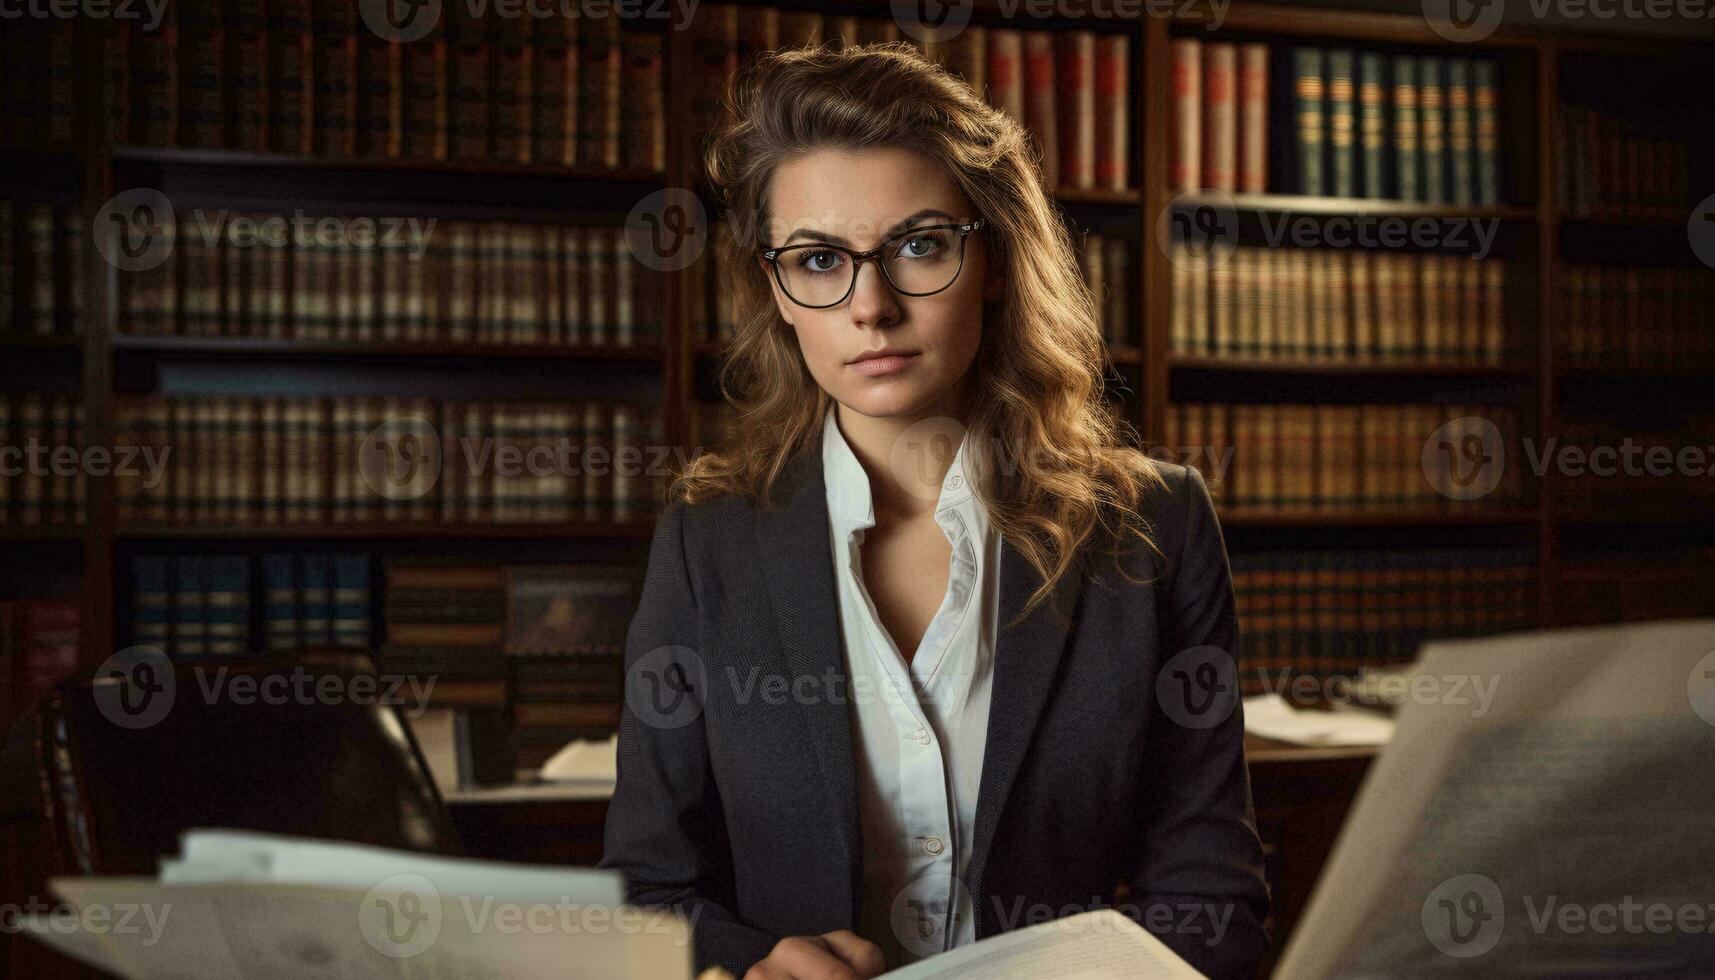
1099	945
239	904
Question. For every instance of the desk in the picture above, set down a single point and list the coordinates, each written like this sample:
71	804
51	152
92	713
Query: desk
1302	795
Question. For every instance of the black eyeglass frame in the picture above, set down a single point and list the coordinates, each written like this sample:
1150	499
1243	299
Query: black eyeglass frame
772	255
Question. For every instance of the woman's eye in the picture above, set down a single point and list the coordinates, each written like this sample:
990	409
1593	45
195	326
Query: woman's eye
822	261
919	247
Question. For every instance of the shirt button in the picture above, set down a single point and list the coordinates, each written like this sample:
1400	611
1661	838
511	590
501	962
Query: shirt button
933	845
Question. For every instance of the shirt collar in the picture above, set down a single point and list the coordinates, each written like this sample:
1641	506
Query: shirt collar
850	504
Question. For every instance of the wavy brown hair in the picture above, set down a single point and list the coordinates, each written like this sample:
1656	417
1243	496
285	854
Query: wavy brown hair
1072	481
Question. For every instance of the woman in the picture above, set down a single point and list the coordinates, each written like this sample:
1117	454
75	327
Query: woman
928	653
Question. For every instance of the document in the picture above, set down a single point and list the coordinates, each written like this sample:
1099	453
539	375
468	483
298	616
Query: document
1099	945
1272	716
1546	808
261	907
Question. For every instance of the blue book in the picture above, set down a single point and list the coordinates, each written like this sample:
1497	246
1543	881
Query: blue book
280	625
316	601
227	605
189	634
351	624
151	601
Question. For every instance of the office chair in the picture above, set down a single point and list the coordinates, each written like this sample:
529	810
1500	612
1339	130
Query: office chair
117	796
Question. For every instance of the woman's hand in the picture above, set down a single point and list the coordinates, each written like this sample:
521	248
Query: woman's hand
842	955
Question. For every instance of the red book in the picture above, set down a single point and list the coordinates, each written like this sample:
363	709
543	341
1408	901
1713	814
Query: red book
1220	117
1005	71
1039	92
1113	112
1253	118
46	651
1074	70
1185	172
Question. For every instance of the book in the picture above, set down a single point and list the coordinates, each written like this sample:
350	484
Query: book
1310	108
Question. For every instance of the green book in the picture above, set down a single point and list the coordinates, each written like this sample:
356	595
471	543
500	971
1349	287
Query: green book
1485	100
1372	117
1407	158
1459	131
1432	117
1311	96
1340	113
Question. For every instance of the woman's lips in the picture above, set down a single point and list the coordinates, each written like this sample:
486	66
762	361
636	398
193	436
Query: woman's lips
877	366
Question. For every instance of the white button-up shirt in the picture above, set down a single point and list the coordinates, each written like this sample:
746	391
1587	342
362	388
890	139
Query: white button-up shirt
918	731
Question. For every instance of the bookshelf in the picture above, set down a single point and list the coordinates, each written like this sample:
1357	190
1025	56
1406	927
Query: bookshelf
1539	73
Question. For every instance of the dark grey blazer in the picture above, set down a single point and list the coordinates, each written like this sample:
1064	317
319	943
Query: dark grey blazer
737	795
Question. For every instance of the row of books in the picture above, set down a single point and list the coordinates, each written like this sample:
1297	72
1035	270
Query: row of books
1631	316
41	268
38	90
44	481
1600	462
39	640
309	78
297	461
1109	265
1622	166
1400	127
545	641
1327	614
1071	89
435	281
199	606
1220	116
1335	457
1340	305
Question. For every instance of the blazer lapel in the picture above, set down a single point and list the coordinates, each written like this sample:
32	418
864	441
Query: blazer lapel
797	562
1027	657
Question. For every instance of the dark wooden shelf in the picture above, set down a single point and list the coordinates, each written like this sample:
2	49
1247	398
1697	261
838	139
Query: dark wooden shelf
1095	195
1469	517
1347	207
386	531
25	341
1628	220
1331	23
1654	373
44	532
242	160
1630	509
1433	369
262	347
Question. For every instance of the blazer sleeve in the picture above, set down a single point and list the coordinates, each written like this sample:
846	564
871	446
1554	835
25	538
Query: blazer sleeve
1198	881
665	831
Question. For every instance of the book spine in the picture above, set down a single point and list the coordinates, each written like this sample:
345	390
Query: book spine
1187	170
1372	108
1220	117
1342	152
1407	145
1311	98
1485	99
1432	118
1253	118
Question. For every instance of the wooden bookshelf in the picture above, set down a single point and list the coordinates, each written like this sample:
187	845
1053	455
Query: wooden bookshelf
1533	61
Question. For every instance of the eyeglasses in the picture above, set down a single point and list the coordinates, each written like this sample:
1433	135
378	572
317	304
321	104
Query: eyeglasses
918	262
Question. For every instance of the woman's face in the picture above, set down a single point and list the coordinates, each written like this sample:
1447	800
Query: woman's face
860	199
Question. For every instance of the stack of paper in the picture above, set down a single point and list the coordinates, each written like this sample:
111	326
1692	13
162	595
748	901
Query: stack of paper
237	904
1270	716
